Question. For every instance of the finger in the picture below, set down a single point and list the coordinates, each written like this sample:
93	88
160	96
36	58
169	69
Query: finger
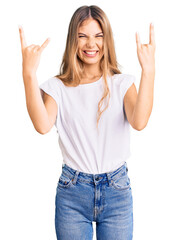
36	48
44	44
152	35
33	46
138	40
22	38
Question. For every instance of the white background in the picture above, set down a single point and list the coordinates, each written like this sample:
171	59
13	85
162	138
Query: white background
30	163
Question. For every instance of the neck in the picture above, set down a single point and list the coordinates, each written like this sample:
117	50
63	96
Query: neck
91	71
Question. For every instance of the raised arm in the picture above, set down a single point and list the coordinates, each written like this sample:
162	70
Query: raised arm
138	107
42	113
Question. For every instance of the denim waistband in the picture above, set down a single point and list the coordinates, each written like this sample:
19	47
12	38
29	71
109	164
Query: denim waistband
88	177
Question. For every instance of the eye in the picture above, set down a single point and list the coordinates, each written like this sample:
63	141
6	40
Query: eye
96	36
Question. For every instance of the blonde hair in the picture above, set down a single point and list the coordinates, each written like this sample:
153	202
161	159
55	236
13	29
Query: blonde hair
71	68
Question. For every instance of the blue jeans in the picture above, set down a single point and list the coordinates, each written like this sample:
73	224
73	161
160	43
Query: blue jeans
83	198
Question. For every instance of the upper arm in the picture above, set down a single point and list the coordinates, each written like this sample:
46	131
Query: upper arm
51	107
129	102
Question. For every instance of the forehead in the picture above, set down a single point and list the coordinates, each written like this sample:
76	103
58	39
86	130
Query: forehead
90	26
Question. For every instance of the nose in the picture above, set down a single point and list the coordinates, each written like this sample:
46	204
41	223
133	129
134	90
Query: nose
90	43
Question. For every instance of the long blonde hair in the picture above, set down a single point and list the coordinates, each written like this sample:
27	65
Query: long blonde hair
71	68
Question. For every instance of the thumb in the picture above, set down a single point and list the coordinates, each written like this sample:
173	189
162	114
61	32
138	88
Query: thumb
44	44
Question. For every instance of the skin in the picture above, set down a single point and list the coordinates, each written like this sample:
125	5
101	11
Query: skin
30	54
138	106
42	112
90	38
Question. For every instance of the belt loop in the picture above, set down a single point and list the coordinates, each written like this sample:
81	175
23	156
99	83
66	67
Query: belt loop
74	180
109	179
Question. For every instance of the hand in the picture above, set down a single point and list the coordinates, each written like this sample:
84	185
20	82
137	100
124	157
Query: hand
30	54
146	52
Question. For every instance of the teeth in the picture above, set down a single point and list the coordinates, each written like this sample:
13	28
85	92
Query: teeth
91	53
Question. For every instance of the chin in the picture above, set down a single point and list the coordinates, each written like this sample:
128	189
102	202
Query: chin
91	62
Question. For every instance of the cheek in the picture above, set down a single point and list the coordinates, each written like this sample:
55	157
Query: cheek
80	47
100	44
81	43
79	53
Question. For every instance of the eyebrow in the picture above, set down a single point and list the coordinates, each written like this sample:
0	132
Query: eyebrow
95	34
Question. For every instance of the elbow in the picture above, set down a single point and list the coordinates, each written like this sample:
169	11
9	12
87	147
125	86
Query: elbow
139	126
42	128
42	131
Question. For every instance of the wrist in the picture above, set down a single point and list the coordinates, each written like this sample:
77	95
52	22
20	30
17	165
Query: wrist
29	77
28	74
148	71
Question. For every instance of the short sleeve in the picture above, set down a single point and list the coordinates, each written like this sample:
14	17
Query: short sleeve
51	86
126	82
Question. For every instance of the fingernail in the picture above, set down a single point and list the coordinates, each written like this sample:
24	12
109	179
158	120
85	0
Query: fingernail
19	26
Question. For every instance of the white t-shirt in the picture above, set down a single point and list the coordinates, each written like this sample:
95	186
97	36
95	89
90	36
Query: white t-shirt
83	147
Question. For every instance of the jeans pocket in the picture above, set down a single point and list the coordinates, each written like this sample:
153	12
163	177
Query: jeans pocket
121	181
64	181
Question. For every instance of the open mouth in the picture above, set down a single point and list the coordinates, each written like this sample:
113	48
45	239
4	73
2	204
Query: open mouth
91	53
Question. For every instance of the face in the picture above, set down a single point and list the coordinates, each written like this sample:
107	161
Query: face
90	42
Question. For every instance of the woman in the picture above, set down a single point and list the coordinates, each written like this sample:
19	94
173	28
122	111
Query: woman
94	185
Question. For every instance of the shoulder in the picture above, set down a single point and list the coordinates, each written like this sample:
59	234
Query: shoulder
122	82
51	86
54	80
123	78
